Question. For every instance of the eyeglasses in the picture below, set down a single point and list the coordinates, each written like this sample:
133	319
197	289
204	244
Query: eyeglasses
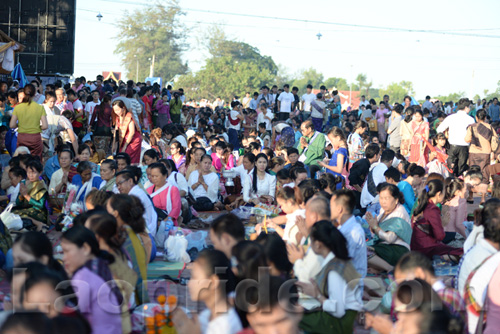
121	182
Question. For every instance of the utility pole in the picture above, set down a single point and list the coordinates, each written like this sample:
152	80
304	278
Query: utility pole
350	89
152	68
136	68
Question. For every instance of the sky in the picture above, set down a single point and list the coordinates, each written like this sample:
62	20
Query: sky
460	50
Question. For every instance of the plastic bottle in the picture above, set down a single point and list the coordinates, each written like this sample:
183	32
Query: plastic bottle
179	232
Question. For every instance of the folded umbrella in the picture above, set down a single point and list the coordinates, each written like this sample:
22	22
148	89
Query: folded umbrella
18	74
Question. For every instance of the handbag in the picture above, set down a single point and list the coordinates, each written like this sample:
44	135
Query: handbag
11	220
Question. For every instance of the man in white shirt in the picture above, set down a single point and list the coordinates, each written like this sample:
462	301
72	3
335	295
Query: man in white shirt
457	125
375	177
307	264
306	102
342	206
285	101
363	101
427	104
246	100
265	116
89	108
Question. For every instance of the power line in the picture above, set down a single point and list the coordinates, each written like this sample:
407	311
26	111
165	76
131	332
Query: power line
393	29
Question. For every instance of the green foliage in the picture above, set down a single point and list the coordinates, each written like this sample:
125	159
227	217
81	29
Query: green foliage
339	83
149	32
232	68
307	77
397	91
451	97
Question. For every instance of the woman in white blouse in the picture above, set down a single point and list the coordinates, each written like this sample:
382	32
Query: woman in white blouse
204	186
259	186
335	287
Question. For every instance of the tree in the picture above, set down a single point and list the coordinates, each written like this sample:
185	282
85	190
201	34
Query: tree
339	83
232	68
451	97
397	91
307	77
149	32
364	84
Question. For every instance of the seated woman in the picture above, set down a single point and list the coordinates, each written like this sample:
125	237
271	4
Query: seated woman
392	229
33	196
276	253
88	267
149	157
85	180
339	299
64	175
204	186
108	176
177	179
428	232
128	212
413	181
222	157
178	156
194	161
289	205
85	154
259	186
166	197
340	157
105	228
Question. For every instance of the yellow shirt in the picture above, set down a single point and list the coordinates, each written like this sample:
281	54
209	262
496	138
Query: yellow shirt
29	116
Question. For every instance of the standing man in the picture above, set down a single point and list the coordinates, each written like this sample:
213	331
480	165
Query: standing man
253	104
427	104
285	101
363	101
311	147
266	96
89	108
394	130
494	110
386	100
318	109
246	100
79	117
456	125
307	98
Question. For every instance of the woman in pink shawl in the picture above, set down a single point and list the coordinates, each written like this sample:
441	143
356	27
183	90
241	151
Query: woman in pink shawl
380	115
418	147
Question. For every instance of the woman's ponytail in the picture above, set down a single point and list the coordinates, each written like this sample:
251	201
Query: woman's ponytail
432	188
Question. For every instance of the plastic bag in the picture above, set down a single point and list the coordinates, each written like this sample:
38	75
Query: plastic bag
160	234
11	220
197	240
176	247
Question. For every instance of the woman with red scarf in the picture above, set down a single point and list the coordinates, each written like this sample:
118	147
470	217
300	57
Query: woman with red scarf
129	134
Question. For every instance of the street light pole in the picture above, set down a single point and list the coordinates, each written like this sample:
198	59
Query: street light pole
350	89
136	69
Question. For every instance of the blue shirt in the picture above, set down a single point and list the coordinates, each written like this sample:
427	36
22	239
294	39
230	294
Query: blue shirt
494	112
51	166
77	180
408	194
333	162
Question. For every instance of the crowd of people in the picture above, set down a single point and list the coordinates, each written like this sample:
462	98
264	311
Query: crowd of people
375	189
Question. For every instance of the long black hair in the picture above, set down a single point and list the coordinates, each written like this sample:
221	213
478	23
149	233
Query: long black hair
254	180
432	188
216	263
275	250
38	245
330	236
